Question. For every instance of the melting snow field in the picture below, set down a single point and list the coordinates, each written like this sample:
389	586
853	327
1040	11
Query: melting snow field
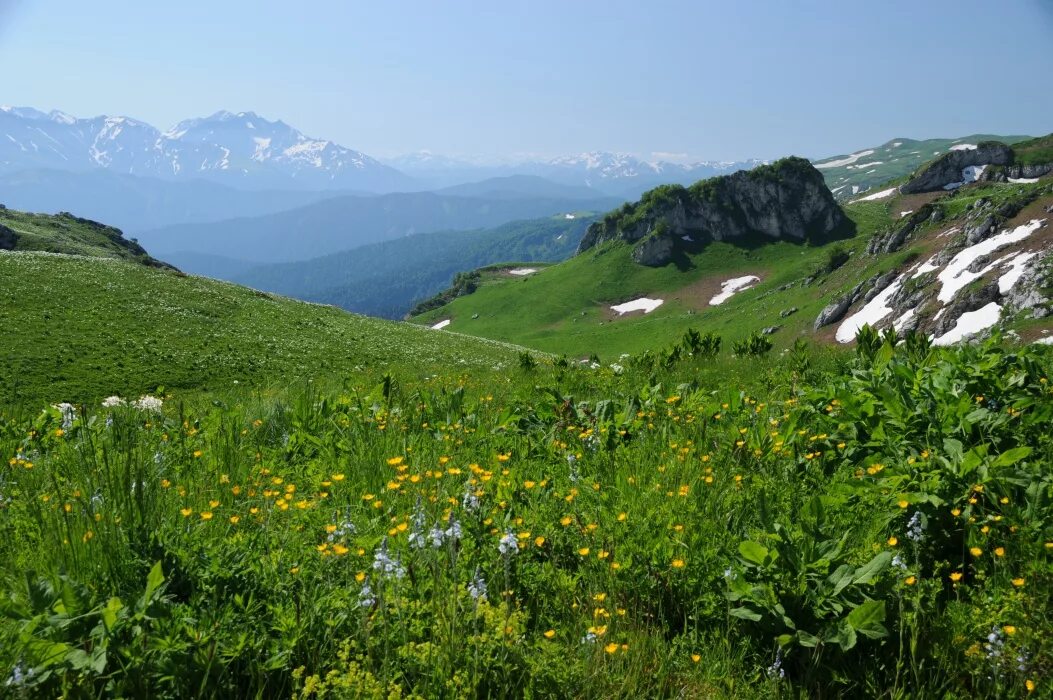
642	304
926	266
875	310
955	276
441	324
844	161
1045	341
878	195
964	147
1023	180
523	271
1017	265
971	323
729	288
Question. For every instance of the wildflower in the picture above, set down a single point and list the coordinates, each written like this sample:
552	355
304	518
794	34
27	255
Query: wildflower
149	404
584	551
611	648
539	541
549	634
696	658
678	563
975	551
956	576
453	530
477	588
1009	630
916	528
366	599
234	519
470	502
995	642
903	504
508	545
999	551
206	515
1030	685
776	670
1018	582
187	512
340	550
898	562
910	580
113	402
892	541
383	563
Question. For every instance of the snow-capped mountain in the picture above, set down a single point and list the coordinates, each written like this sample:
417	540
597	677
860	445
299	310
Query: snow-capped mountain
240	149
619	174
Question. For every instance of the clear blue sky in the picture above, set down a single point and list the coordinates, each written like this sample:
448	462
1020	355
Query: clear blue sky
713	79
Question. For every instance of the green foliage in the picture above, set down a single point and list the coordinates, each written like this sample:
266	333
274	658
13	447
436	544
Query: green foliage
659	528
753	345
1034	152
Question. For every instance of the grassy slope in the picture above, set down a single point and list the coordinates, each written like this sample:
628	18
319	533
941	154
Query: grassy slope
67	234
893	162
564	308
82	328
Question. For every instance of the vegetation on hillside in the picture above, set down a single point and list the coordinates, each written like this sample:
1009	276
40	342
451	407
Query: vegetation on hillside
1034	152
669	525
69	235
80	329
387	279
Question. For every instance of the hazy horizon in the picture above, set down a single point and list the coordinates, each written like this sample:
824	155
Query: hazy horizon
679	82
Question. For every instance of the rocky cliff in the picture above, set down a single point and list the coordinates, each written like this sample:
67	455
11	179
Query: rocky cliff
785	200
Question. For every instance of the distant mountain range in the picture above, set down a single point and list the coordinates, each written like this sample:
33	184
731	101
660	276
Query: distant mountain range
617	174
243	149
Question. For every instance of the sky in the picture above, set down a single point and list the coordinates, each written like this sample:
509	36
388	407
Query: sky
692	79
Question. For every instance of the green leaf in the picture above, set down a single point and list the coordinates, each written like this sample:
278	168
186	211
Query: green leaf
807	640
753	552
1011	457
867	619
745	613
153	581
109	613
867	572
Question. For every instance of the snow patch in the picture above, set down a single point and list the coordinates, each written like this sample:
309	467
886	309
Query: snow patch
441	324
844	161
1045	341
523	271
926	266
642	304
729	288
878	195
1017	266
1023	180
875	310
970	323
964	147
569	216
969	174
906	213
956	277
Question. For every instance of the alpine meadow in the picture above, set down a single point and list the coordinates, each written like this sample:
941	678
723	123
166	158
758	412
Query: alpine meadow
755	404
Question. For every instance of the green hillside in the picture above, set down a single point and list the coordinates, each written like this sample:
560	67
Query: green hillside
566	308
855	173
67	234
387	279
79	328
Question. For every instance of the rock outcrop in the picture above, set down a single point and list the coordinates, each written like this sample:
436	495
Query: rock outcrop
947	169
785	200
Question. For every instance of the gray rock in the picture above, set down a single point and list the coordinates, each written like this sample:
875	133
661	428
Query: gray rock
948	168
788	312
976	233
1026	294
769	330
654	251
785	200
879	284
837	309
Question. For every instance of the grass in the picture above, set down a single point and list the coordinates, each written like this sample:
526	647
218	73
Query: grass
807	525
1034	152
80	329
67	234
564	308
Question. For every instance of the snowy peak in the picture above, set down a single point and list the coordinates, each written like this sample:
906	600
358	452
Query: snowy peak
240	148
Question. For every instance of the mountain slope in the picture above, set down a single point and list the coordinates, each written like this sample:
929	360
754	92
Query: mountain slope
387	279
343	223
89	327
66	234
851	174
240	149
948	264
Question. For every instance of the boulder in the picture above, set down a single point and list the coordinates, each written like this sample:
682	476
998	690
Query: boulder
788	312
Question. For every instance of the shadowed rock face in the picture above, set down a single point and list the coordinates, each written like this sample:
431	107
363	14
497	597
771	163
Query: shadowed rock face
948	168
785	200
